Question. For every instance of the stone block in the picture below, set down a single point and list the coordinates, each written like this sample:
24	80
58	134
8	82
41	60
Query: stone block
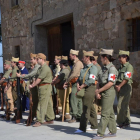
92	10
105	35
113	4
106	6
109	14
108	23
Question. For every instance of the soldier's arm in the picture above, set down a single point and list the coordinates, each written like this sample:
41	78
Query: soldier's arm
76	71
58	70
35	83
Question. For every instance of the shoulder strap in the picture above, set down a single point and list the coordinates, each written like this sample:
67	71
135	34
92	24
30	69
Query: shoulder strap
86	74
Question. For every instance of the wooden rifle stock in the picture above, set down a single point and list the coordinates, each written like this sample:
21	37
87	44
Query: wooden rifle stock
30	118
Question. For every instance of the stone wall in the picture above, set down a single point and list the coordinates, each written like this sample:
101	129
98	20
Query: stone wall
97	24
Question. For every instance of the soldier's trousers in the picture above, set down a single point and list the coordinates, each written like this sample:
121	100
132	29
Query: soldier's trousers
107	112
45	106
123	112
61	95
14	93
34	100
10	98
89	113
76	103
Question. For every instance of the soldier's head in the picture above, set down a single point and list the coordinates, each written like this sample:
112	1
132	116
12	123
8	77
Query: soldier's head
21	64
7	65
14	62
106	56
57	60
73	54
94	60
32	66
64	62
88	57
123	56
41	58
33	58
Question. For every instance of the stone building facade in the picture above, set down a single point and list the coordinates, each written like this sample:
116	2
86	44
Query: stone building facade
54	26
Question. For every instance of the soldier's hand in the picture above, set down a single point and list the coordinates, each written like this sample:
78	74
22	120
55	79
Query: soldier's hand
30	87
18	75
65	86
118	88
98	96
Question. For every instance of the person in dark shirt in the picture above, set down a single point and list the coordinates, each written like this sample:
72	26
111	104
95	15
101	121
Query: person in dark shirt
25	99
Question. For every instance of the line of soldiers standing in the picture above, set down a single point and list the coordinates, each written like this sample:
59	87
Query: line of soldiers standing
83	82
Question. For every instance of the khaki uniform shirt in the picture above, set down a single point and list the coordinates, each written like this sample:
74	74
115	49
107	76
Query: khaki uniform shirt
75	72
7	73
57	70
125	73
44	73
90	76
64	73
98	68
32	73
14	72
107	73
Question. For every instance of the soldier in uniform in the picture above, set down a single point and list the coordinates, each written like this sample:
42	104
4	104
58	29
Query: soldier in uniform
43	80
124	89
31	76
59	82
76	102
106	92
86	86
14	63
7	67
97	103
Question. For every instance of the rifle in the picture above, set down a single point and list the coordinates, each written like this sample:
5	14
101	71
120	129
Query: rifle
19	107
29	120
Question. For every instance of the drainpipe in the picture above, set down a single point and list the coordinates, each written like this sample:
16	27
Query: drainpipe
37	19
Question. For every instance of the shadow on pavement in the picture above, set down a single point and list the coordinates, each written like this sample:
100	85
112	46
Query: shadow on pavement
68	130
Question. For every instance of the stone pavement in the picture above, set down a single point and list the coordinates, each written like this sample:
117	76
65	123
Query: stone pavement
60	131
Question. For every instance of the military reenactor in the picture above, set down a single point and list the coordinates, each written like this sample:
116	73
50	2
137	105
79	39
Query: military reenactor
86	88
43	81
14	64
106	92
76	102
31	76
7	90
124	90
97	103
59	82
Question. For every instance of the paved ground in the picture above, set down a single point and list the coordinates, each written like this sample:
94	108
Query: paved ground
60	131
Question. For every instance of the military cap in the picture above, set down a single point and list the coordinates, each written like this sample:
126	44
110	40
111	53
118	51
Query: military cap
121	52
7	62
14	59
58	57
75	52
41	55
88	53
20	61
33	55
106	51
64	58
48	62
96	57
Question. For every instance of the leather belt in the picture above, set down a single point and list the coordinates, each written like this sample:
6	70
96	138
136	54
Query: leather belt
44	84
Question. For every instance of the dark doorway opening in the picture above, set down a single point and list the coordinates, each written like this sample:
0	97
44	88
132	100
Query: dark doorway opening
60	39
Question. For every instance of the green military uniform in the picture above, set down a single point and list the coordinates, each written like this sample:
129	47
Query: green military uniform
124	95
34	90
45	107
107	74
89	96
76	102
64	73
14	89
9	94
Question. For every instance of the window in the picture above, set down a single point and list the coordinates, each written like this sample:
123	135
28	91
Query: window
14	2
17	51
134	34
